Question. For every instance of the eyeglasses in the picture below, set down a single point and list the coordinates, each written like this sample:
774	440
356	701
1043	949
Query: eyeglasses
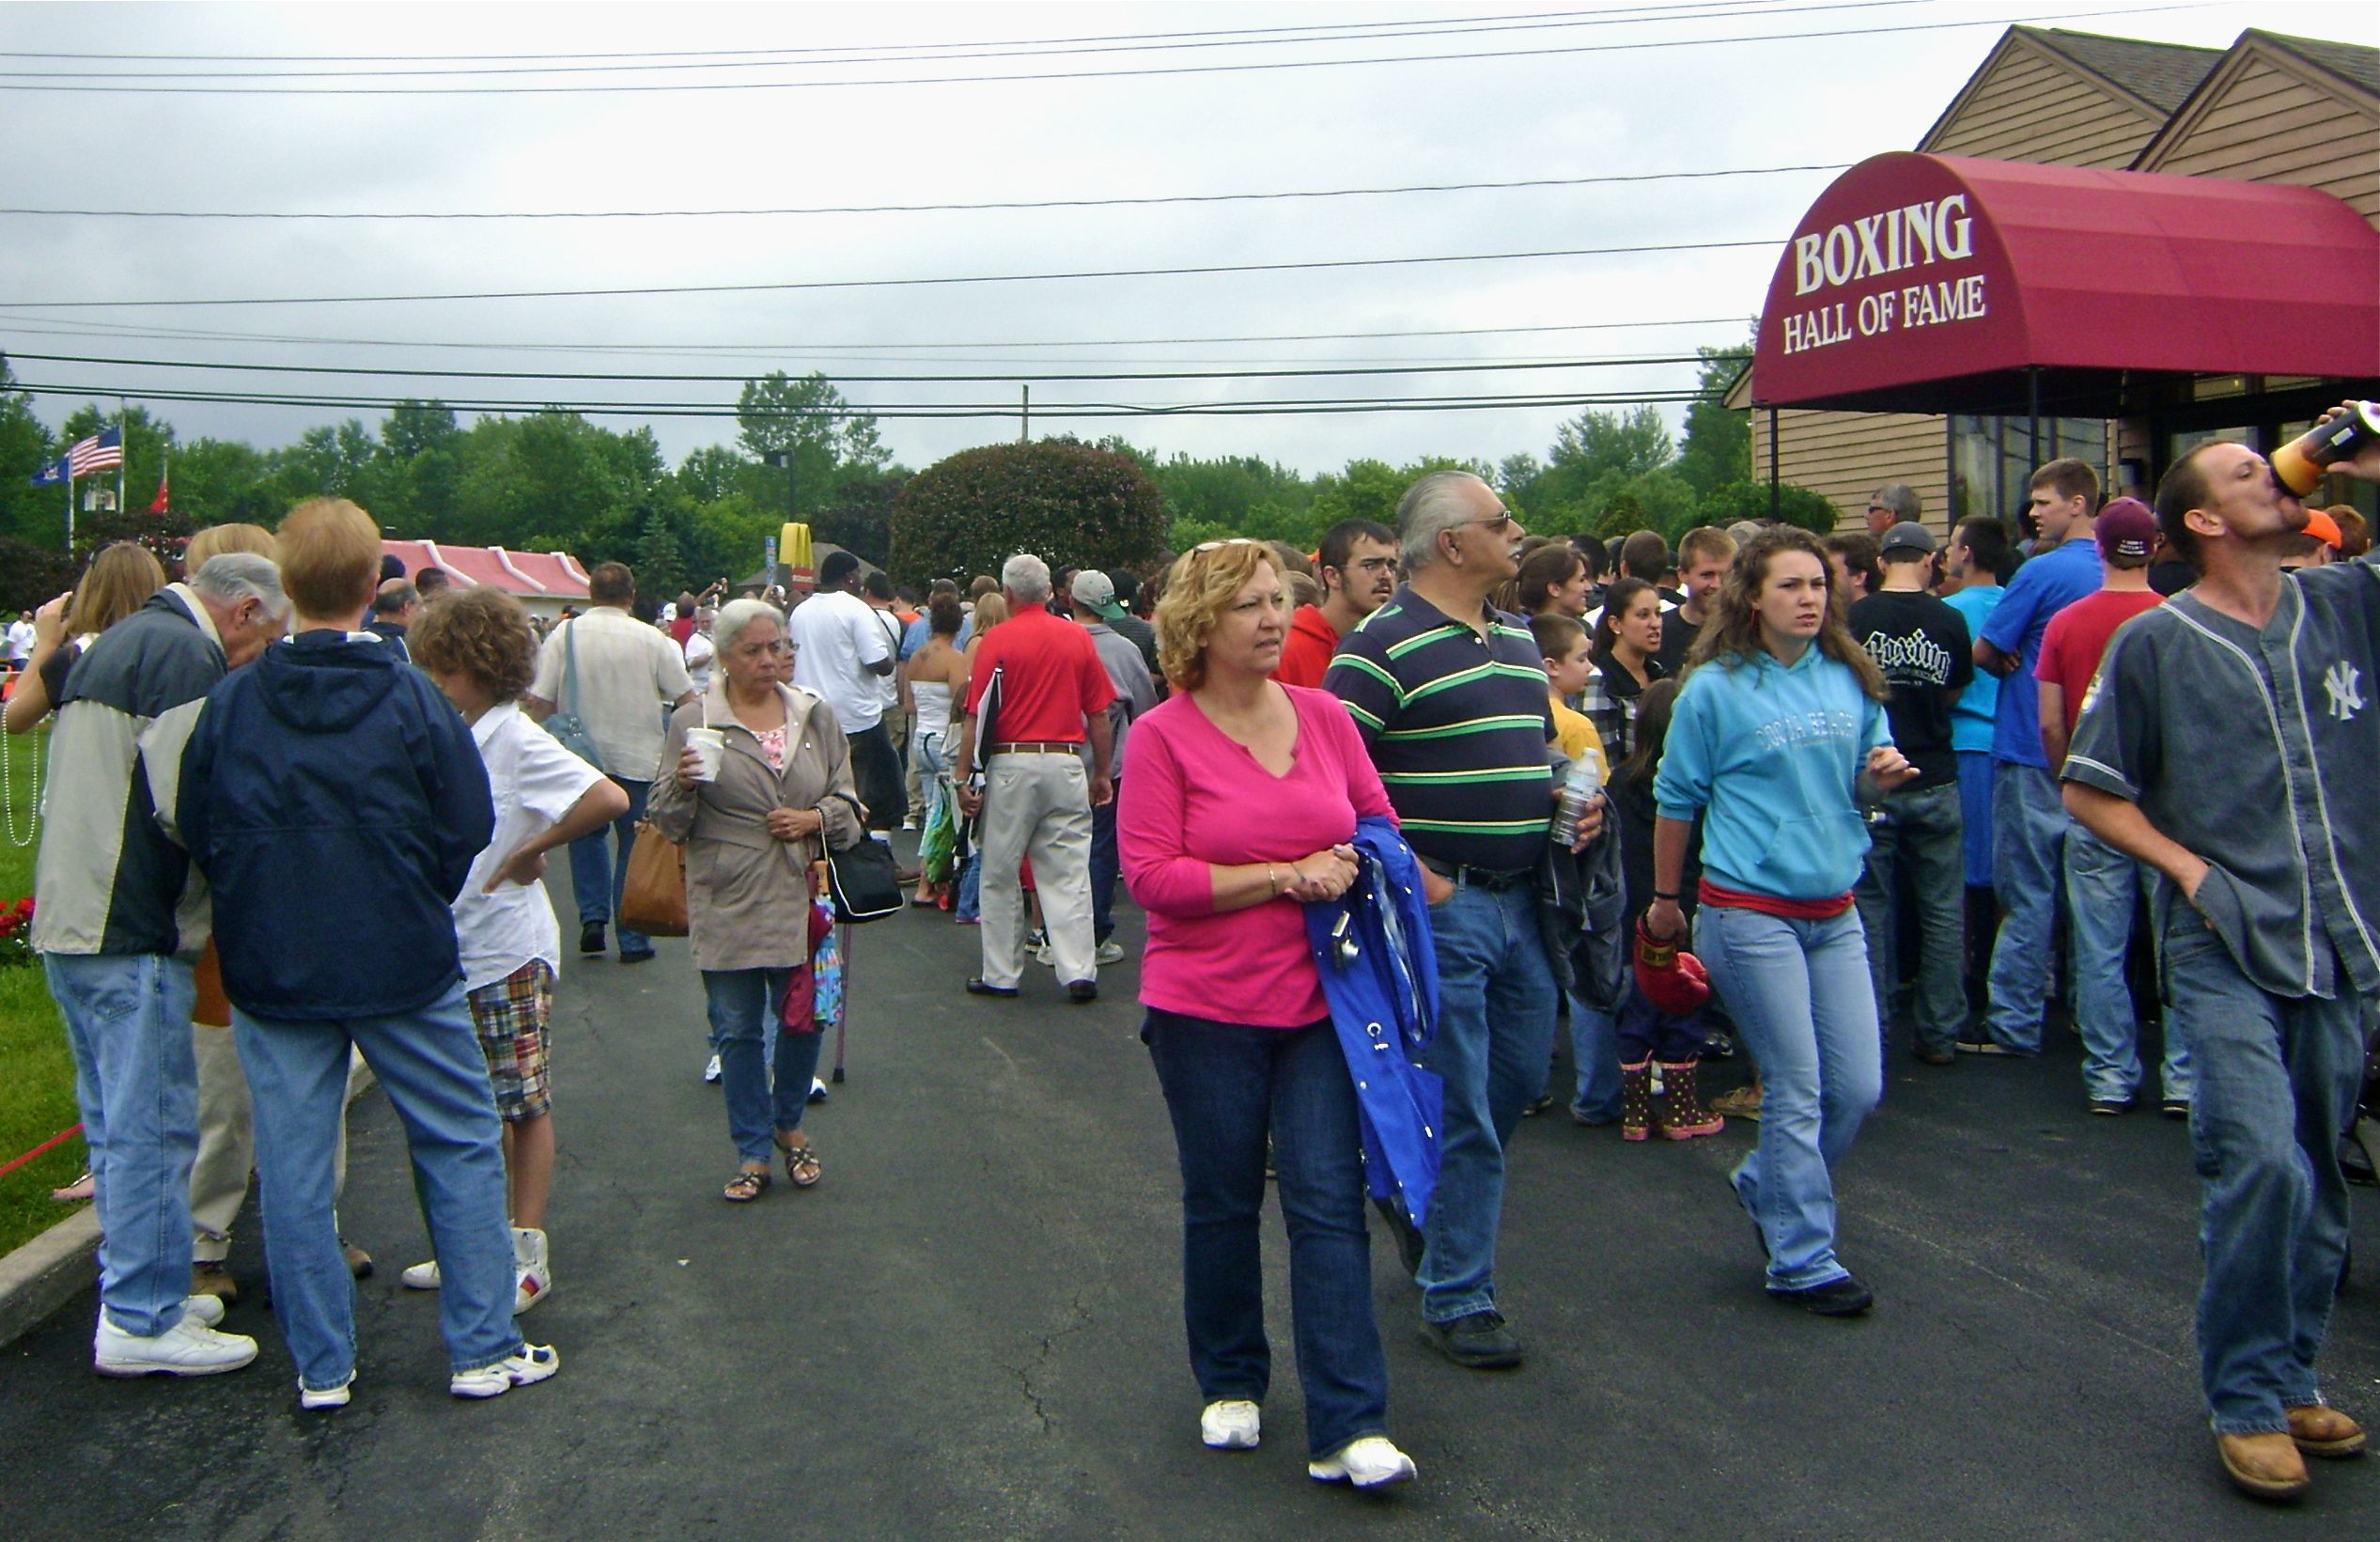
1374	565
1494	522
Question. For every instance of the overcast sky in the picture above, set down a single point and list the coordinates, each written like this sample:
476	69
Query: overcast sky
1713	107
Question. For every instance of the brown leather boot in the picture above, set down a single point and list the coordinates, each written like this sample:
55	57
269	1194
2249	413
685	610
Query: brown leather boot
208	1277
2322	1431
1635	1100
1682	1114
2265	1466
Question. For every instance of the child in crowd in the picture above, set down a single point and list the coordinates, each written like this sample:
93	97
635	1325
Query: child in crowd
1648	1040
476	645
335	802
1564	643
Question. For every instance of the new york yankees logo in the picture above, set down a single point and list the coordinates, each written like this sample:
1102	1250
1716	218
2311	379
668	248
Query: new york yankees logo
2343	683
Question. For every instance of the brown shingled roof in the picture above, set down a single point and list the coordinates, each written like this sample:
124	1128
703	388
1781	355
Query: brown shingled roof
2349	61
2160	74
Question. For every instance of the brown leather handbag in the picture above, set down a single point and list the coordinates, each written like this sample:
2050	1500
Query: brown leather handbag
653	896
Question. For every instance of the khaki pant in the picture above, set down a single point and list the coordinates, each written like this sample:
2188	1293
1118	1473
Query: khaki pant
1037	806
226	1140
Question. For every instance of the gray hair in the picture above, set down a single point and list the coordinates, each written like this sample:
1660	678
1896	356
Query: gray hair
1025	576
1431	506
1900	498
734	616
236	576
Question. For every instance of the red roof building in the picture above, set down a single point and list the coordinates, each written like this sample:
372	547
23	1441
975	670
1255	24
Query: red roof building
543	580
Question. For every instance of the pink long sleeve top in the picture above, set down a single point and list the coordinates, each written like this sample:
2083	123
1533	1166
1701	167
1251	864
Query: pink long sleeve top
1196	797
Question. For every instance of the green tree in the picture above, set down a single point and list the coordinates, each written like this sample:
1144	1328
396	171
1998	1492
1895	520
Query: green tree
1069	503
226	481
1795	505
1718	446
809	420
29	513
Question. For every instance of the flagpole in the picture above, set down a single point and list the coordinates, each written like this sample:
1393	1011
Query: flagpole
124	427
70	509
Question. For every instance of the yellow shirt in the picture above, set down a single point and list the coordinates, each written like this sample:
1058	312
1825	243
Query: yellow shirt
1577	738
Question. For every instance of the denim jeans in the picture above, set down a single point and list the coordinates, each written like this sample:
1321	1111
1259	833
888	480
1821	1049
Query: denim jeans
969	906
2030	826
740	1003
1495	1031
136	1082
597	879
430	1064
1975	815
1919	836
2103	890
2277	1083
1595	1054
1226	1086
1644	1033
1800	992
1106	866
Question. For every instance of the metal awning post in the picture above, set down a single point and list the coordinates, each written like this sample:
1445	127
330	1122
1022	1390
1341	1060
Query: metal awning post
2032	413
1775	497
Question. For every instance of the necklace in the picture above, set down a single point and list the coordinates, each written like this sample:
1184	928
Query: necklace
8	795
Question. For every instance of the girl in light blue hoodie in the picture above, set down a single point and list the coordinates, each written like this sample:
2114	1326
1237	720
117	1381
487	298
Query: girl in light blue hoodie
1778	737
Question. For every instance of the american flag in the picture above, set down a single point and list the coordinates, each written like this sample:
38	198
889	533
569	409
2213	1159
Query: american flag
97	453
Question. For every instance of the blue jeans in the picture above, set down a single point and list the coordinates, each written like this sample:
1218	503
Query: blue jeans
1645	1033
2103	890
2030	826
1495	1033
1975	815
1800	993
597	879
969	906
1595	1054
741	1003
1106	864
1920	834
136	1082
1226	1086
430	1064
2277	1083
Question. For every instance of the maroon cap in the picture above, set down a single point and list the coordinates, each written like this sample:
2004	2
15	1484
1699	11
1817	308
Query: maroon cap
2127	529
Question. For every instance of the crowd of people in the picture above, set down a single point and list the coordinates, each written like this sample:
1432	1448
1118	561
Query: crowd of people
1765	796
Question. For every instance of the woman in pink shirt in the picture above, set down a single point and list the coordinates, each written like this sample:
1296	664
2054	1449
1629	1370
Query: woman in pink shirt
1242	800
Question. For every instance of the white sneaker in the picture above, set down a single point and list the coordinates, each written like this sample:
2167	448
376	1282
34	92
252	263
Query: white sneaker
710	1072
189	1348
1041	955
420	1277
325	1398
535	1362
817	1091
204	1310
1371	1462
534	1279
1230	1425
1110	952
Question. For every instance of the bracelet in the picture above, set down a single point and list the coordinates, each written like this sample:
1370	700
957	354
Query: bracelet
1272	883
1658	893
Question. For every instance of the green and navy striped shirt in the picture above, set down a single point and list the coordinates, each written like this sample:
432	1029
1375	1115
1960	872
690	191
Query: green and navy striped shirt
1458	724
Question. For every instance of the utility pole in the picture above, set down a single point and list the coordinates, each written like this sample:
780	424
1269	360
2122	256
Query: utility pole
1024	418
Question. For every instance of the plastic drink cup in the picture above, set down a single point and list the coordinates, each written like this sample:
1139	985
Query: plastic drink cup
711	747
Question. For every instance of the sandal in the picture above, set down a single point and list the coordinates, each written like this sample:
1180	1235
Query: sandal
745	1187
803	1169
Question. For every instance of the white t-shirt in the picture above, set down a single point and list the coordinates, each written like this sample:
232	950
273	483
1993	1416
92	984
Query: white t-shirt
700	651
20	640
835	637
888	687
535	782
627	673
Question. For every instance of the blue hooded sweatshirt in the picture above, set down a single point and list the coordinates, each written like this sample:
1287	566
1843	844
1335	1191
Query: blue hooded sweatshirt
335	800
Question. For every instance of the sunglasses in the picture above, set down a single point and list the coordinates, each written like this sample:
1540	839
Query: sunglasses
1205	546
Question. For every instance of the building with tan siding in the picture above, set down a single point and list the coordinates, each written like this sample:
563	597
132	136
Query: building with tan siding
2268	109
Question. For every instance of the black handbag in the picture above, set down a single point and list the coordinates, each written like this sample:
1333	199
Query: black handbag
863	877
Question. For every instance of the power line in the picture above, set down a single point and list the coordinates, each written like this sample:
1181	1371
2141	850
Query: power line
1004	377
1010	204
644	291
39	83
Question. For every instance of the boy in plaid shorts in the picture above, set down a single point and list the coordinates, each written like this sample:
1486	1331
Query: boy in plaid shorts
476	645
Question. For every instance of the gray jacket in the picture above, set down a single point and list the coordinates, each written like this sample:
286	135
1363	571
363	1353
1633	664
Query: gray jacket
748	893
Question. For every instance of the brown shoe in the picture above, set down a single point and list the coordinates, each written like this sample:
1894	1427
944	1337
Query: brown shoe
359	1262
208	1277
1742	1103
2321	1431
2265	1466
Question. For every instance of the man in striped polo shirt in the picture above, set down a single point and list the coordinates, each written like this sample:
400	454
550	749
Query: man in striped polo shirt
1450	697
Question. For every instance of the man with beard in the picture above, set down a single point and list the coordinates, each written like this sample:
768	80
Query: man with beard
1357	567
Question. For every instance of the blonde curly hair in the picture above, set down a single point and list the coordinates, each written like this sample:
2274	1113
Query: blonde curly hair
1201	586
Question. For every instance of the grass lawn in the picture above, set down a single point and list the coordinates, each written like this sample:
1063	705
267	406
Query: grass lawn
37	1072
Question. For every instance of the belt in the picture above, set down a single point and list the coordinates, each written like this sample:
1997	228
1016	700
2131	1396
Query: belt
1479	878
1033	746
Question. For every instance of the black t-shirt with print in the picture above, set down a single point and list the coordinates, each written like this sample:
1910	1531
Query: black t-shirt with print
1922	646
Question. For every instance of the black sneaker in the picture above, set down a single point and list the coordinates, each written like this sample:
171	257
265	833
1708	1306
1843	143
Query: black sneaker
591	936
1081	991
2175	1108
2110	1108
1480	1341
1409	1245
1844	1298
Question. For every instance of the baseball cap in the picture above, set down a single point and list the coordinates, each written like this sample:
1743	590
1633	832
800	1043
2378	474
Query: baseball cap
2324	528
2125	529
1909	536
1096	592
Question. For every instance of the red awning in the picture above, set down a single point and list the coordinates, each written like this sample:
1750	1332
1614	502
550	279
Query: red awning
1935	284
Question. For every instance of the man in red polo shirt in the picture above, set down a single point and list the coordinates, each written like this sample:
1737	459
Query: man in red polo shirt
1035	798
1357	565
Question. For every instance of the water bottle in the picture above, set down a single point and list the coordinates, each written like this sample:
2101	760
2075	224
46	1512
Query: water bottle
2301	463
1578	791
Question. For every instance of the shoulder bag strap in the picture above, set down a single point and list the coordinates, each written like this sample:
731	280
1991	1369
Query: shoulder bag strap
570	666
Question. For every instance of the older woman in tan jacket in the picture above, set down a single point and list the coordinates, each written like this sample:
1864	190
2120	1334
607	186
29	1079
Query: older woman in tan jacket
751	830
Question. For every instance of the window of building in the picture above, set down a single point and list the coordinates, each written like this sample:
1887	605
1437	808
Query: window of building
1992	460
